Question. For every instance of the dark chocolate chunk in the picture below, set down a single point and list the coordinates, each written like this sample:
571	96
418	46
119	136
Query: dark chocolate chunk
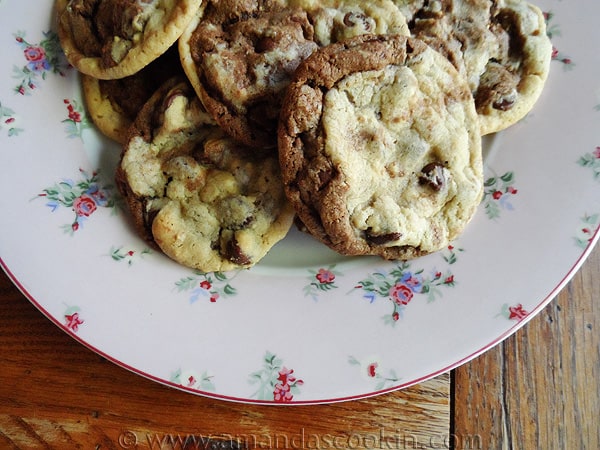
235	254
433	175
382	239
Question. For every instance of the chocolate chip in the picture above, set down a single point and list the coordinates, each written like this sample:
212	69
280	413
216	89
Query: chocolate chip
433	174
348	19
503	104
235	254
498	88
382	239
351	19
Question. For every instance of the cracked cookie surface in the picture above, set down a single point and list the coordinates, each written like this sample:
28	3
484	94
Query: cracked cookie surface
204	200
380	148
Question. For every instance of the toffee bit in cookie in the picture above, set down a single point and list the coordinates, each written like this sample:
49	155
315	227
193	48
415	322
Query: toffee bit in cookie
434	175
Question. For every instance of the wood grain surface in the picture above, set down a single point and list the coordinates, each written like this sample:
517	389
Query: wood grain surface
539	389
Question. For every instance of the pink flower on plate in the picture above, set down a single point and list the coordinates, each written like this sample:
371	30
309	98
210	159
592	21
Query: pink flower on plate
72	321
191	381
596	152
282	393
34	53
75	116
372	369
37	60
325	276
84	205
401	294
517	312
285	376
276	382
41	58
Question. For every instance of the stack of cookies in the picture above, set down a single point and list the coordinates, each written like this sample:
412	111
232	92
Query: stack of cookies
359	121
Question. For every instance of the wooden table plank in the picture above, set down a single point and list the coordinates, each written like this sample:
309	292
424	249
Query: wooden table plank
539	389
54	391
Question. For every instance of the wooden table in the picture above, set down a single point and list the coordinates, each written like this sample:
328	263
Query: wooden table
539	389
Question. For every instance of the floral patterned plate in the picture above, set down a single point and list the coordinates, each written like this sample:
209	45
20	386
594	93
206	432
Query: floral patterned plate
305	325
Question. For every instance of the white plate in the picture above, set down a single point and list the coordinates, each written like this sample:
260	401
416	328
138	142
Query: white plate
305	325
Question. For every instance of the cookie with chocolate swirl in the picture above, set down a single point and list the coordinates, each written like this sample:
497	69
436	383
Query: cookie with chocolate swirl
114	104
499	46
380	148
109	39
240	56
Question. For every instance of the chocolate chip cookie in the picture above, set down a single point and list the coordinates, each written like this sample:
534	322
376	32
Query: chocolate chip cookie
380	148
110	39
114	104
500	46
336	20
240	56
203	199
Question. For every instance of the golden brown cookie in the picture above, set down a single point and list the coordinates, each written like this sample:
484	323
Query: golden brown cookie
240	56
110	39
336	20
206	201
500	46
114	104
380	148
